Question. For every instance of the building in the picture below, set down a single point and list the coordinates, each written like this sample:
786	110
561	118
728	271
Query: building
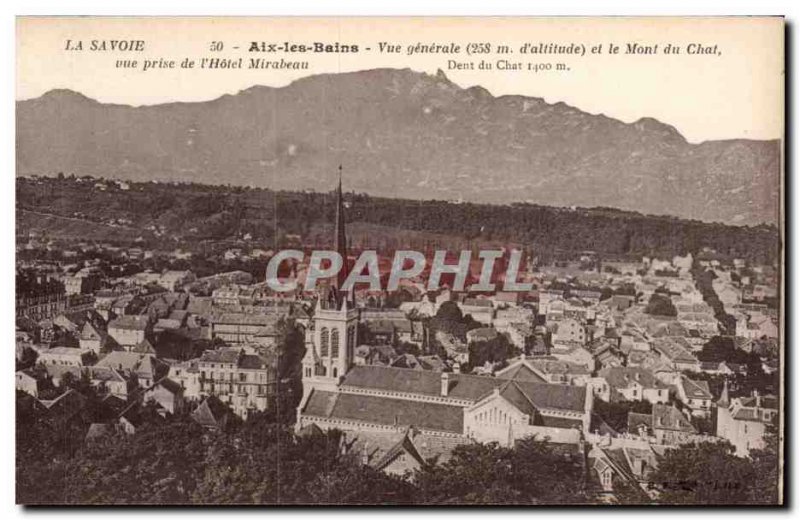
144	369
695	395
243	381
744	420
64	356
676	354
666	425
545	370
629	384
129	331
239	327
167	394
452	406
569	332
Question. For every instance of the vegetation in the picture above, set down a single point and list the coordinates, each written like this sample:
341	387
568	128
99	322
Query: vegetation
660	305
709	474
261	461
195	213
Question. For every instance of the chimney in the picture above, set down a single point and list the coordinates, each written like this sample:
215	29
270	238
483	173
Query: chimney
445	384
758	398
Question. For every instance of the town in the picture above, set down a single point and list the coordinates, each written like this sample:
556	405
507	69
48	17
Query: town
611	365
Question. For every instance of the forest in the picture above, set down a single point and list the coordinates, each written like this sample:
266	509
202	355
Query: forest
173	460
193	213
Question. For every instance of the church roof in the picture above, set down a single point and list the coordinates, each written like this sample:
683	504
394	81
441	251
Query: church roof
462	386
385	411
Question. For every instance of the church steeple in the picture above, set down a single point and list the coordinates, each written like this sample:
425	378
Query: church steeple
724	399
340	238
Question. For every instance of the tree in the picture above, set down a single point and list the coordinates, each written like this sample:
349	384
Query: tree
706	473
660	305
532	472
766	466
615	415
495	350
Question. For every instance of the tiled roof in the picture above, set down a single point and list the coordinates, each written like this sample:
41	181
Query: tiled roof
667	417
767	401
385	411
623	377
242	318
520	372
696	389
129	323
462	386
221	355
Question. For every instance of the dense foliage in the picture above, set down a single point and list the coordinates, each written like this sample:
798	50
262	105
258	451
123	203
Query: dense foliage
261	461
709	474
196	212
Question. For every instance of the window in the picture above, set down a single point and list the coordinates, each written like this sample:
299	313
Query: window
323	342
242	377
351	337
335	343
605	479
335	372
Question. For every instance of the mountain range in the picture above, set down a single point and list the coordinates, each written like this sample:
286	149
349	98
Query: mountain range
402	133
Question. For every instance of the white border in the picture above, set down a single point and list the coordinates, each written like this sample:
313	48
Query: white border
791	9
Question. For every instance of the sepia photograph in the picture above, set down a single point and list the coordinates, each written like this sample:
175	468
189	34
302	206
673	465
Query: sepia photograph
423	261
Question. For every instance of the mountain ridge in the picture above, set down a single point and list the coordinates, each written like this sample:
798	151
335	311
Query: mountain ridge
406	134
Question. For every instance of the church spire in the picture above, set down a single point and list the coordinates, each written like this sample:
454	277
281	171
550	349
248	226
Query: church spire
724	399
340	238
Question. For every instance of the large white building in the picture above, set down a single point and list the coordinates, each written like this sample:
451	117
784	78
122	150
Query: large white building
460	407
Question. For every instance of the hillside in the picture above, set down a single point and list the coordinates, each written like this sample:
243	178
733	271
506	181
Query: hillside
405	134
194	215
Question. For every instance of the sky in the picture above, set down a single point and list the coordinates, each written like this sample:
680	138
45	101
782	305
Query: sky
736	92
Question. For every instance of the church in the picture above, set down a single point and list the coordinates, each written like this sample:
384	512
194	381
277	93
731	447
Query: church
418	407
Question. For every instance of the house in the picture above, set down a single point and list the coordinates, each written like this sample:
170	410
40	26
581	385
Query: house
606	355
92	338
569	331
630	384
455	348
695	395
756	326
240	327
65	356
545	370
63	408
167	394
128	331
626	469
110	382
145	368
744	420
242	381
666	424
394	453
32	381
573	353
212	414
676	354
